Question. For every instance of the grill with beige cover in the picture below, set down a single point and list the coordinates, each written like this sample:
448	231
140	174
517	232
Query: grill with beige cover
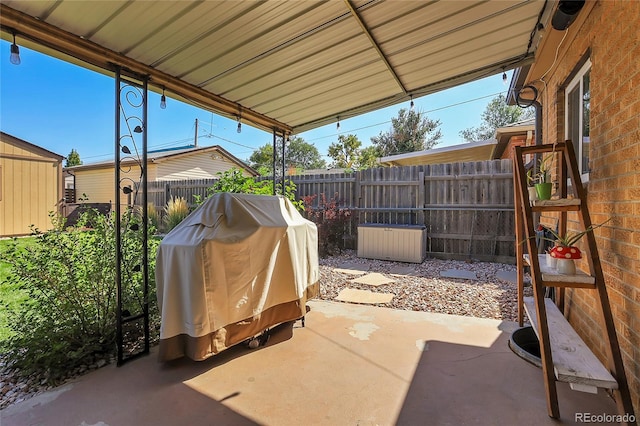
237	265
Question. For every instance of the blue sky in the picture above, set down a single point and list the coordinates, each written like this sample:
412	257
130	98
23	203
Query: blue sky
60	106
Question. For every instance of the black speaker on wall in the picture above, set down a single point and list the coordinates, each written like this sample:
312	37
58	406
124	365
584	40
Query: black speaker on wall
566	13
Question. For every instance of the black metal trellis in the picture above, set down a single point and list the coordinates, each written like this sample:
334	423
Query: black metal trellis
283	162
131	223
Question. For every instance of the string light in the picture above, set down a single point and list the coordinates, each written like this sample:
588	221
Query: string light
504	76
163	100
15	52
239	130
411	105
338	124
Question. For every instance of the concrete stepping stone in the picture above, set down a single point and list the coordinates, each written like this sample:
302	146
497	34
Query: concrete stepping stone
459	274
403	270
374	279
509	276
352	268
353	295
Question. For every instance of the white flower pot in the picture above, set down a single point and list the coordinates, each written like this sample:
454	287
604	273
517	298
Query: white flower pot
533	195
551	261
566	266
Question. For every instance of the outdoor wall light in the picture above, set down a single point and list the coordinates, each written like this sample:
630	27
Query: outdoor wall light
163	100
15	52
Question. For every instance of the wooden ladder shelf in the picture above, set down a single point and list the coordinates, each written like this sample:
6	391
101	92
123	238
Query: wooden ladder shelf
565	357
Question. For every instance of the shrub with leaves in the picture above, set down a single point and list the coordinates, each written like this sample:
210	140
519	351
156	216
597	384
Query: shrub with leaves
234	181
69	318
175	212
331	219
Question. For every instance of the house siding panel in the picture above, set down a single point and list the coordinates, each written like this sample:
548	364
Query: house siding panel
203	165
614	181
99	184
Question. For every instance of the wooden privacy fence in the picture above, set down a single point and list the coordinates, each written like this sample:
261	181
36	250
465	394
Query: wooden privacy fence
466	207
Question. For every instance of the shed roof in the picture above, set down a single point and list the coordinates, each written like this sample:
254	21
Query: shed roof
38	150
287	65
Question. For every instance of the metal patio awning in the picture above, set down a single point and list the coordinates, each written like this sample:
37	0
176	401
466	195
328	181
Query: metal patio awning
287	65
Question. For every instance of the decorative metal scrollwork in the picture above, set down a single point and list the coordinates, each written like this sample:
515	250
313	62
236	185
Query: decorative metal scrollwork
131	219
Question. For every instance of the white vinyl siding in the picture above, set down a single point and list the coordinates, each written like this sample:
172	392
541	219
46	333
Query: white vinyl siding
204	165
99	184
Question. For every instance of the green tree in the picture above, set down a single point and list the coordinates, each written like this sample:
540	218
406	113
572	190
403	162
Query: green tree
73	159
497	114
299	154
369	157
347	153
410	131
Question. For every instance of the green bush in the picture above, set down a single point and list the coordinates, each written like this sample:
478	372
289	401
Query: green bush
234	181
69	317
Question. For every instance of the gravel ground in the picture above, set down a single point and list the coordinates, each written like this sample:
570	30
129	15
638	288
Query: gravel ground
486	297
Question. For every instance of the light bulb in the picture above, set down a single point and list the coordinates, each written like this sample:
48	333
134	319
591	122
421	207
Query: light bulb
239	130
338	125
504	77
163	100
411	105
15	53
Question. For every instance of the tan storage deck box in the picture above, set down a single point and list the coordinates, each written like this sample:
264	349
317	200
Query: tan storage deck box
403	243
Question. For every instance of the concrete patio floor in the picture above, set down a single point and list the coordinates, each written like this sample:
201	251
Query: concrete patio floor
350	365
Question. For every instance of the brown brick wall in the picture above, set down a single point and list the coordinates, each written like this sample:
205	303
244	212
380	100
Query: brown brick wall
610	35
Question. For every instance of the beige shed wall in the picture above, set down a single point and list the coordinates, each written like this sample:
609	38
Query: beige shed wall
29	190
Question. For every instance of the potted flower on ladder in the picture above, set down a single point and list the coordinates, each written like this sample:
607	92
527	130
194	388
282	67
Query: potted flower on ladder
565	252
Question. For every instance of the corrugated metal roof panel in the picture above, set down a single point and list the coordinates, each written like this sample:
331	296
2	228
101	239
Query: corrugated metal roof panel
288	64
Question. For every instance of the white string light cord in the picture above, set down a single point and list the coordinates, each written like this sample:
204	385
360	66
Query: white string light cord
555	59
181	141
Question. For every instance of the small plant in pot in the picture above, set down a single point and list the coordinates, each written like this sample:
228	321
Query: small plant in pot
565	252
541	179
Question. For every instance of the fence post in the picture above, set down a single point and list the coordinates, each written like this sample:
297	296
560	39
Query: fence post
421	197
167	193
357	193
